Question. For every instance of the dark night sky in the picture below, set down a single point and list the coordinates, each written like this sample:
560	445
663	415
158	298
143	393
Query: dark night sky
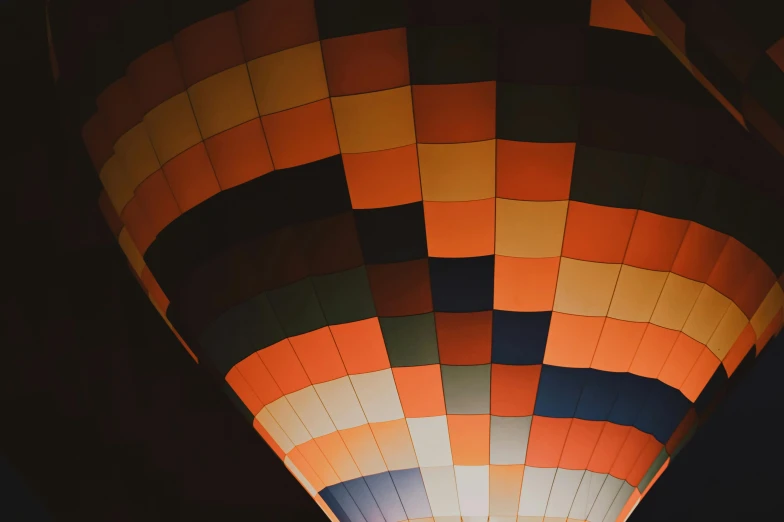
106	418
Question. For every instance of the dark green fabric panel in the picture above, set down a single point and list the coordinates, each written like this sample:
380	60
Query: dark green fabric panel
723	205
345	296
661	458
466	389
240	332
538	113
672	189
641	64
297	307
551	11
346	17
187	12
442	55
608	178
410	339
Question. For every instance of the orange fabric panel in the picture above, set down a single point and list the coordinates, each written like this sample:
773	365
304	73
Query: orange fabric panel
546	441
460	228
260	379
383	178
336	452
610	443
618	15
689	420
617	345
154	291
269	26
633	446
572	340
191	177
629	506
361	346
776	53
244	391
464	338
469	437
282	363
596	233
513	389
754	289
506	482
699	251
269	440
239	154
156	198
301	135
420	389
739	349
319	355
700	374
655	241
652	353
534	171
454	113
580	443
155	76
644	461
209	47
366	62
525	285
679	363
394	440
364	450
306	469
315	457
732	268
138	225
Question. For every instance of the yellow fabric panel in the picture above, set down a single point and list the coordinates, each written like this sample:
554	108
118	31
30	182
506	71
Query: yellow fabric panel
636	294
728	331
223	101
172	127
374	121
675	302
137	154
770	306
585	288
289	78
706	314
530	229
117	183
131	252
457	171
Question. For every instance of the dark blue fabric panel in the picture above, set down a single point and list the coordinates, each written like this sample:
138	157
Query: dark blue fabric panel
520	337
559	391
412	493
333	504
361	494
462	284
346	502
386	496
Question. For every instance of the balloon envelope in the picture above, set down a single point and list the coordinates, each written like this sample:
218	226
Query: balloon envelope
487	260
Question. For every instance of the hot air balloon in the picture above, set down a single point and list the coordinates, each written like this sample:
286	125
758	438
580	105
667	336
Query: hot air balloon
459	260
